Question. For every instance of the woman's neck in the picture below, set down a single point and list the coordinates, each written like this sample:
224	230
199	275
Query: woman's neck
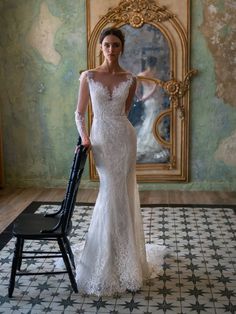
111	67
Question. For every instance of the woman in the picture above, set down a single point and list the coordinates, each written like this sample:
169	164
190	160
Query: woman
113	258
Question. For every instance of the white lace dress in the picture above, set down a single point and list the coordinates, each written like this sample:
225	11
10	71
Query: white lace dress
152	108
114	256
148	149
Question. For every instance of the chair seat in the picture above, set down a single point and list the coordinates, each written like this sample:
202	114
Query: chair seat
30	226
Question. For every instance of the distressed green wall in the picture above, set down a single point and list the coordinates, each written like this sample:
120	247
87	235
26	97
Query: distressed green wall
39	87
42	50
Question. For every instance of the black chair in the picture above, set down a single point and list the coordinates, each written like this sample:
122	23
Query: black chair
50	227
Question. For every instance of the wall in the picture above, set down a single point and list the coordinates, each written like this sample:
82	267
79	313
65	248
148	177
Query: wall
43	48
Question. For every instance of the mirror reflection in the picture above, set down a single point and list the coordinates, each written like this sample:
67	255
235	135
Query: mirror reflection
147	55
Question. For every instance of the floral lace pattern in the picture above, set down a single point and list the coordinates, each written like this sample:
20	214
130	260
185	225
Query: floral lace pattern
113	257
80	124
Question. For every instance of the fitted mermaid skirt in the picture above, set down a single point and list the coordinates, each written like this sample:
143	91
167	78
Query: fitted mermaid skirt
114	257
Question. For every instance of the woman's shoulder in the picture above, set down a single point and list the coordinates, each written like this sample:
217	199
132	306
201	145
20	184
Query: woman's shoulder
128	75
86	74
90	73
131	76
134	76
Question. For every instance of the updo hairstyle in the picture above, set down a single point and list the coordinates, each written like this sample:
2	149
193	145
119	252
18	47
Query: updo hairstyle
112	31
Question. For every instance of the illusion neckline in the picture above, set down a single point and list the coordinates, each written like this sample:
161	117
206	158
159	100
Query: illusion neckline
110	92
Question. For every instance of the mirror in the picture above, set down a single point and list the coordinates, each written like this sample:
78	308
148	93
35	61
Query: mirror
157	52
147	55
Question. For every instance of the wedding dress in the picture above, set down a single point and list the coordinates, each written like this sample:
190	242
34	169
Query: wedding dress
148	149
114	257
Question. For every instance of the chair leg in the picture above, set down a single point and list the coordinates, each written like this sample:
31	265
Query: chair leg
67	264
19	262
69	251
15	263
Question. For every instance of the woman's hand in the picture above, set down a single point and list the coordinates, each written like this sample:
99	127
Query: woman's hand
86	143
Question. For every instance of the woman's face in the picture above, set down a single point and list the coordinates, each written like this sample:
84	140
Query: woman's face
111	47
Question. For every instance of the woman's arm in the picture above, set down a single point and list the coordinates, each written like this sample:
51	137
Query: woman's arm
81	109
148	95
130	97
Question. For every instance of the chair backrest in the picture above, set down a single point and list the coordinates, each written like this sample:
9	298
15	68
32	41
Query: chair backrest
77	169
68	204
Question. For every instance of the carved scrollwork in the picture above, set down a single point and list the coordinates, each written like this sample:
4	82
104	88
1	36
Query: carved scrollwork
177	89
138	12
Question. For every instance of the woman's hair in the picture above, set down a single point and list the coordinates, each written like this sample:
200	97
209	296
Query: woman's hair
151	61
112	31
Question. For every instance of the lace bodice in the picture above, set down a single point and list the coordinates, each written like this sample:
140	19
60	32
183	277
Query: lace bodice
107	102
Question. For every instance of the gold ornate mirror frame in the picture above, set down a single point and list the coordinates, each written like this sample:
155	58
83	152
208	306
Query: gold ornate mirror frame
172	24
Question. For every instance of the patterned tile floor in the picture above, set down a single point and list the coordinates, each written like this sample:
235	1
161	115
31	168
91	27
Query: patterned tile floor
198	276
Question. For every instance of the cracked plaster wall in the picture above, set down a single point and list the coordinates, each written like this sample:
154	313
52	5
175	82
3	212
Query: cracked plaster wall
43	48
219	28
219	25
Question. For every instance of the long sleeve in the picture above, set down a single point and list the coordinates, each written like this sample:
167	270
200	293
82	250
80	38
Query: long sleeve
81	109
80	124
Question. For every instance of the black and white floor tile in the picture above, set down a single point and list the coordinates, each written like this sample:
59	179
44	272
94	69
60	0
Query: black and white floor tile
198	276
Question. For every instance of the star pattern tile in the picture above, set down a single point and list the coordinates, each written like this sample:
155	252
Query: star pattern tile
198	273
